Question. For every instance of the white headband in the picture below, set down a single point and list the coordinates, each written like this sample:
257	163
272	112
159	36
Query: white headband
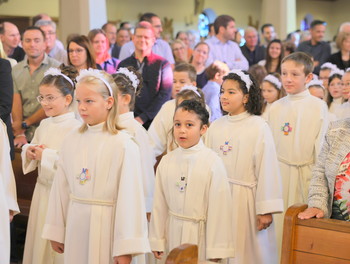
132	77
336	71
97	74
347	70
329	65
244	77
274	80
192	88
315	83
57	72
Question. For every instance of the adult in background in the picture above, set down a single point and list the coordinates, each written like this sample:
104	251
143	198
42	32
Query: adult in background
268	33
53	50
27	75
251	49
199	58
342	57
111	33
274	56
222	47
10	39
123	37
80	53
6	99
179	51
316	47
184	37
160	46
156	73
99	43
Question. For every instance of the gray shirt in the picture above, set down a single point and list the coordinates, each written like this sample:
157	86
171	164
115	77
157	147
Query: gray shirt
28	86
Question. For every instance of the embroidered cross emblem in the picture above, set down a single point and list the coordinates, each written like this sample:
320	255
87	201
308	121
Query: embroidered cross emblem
286	129
84	176
182	184
225	148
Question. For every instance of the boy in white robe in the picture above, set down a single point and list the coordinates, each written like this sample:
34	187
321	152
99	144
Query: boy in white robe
298	123
192	198
8	196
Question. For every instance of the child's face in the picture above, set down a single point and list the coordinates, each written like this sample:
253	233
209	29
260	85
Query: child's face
93	108
317	92
180	79
232	98
346	84
269	92
53	102
188	128
293	77
324	76
335	88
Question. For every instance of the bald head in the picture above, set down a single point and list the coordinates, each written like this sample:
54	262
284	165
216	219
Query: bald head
10	36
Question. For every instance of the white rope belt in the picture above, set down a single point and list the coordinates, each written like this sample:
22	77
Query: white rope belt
250	185
91	201
299	166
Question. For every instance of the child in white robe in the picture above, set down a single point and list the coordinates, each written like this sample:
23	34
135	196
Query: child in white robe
184	74
272	90
192	198
96	209
55	96
298	123
8	196
316	89
129	85
335	93
244	141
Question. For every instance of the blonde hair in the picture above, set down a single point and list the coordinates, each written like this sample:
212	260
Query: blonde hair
111	125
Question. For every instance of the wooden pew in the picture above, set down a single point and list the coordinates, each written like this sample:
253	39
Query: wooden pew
323	241
184	254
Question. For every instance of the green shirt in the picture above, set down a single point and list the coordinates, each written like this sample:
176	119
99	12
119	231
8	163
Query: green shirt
28	87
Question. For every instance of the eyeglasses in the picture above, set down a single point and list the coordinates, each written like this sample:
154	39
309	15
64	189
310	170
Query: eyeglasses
76	50
50	33
47	99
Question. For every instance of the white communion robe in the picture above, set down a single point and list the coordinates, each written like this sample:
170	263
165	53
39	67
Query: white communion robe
265	114
8	196
96	205
342	111
135	129
298	123
245	144
50	133
160	130
192	203
337	102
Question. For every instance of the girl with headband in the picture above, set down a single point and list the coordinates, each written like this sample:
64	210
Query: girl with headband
244	142
96	208
55	96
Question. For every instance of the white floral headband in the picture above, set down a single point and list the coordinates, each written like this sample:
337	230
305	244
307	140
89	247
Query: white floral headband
57	72
315	83
192	88
244	77
329	65
97	74
132	77
347	70
274	80
336	71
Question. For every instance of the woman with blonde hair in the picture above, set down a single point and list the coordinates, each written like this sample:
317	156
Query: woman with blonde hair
342	57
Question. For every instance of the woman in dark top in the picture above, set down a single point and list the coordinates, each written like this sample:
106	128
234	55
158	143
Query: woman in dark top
199	58
342	58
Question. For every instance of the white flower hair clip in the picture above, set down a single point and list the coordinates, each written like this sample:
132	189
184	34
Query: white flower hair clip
347	70
192	88
97	74
132	76
315	83
274	80
57	72
336	71
244	77
328	65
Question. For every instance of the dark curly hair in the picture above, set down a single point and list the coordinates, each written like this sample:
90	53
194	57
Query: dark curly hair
197	108
125	86
255	99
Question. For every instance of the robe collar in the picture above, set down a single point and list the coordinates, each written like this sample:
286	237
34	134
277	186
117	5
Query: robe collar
96	128
61	118
299	96
338	100
199	146
239	117
126	116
